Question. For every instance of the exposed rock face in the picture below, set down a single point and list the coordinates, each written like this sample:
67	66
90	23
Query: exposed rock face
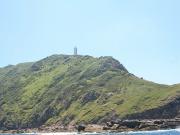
164	117
90	96
142	124
168	111
110	62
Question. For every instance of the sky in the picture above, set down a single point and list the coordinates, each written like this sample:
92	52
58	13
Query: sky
144	35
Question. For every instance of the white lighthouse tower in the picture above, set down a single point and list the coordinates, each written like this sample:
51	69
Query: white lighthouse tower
75	50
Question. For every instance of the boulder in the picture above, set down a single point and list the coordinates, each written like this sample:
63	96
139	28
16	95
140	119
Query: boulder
80	128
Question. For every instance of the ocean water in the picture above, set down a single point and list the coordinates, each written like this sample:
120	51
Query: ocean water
159	132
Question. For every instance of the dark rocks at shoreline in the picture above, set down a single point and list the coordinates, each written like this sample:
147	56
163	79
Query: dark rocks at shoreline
80	128
142	124
114	126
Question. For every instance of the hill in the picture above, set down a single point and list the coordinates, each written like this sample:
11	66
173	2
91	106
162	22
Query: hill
64	89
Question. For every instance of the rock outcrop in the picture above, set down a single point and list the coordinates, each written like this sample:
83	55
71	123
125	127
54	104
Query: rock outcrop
126	125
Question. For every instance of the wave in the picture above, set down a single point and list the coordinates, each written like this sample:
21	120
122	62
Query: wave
155	132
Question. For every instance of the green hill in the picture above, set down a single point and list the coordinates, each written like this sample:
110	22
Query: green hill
65	89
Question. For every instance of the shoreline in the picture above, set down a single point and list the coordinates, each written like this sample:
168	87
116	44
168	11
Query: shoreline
72	133
111	126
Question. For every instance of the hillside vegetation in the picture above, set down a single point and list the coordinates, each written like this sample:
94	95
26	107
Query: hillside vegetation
66	89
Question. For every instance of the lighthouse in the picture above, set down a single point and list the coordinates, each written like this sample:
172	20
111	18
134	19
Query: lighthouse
75	50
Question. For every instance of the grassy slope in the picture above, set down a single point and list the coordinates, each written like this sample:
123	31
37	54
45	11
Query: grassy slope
67	89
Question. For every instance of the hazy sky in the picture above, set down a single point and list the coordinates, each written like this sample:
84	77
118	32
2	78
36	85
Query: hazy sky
144	35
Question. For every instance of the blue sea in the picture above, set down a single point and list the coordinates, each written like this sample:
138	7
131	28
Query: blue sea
159	132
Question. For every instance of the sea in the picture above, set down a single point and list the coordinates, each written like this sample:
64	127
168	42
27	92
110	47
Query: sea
158	132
